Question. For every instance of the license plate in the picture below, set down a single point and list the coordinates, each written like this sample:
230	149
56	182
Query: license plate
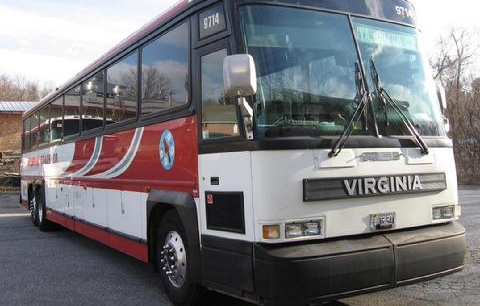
382	221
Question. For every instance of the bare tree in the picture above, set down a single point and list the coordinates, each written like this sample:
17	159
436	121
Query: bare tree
453	65
21	89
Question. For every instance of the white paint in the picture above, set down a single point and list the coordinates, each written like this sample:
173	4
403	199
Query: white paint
234	171
278	191
414	156
345	159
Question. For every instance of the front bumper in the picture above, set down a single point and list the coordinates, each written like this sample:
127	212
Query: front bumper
318	271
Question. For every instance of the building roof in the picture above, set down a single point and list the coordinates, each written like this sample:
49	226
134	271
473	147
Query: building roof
15	107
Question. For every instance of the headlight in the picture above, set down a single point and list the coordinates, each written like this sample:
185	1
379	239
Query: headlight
443	212
301	229
312	228
293	230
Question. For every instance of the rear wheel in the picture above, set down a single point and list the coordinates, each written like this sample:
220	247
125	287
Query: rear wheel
172	262
43	223
33	206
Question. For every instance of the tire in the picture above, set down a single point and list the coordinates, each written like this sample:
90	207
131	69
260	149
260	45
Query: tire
43	223
172	262
33	206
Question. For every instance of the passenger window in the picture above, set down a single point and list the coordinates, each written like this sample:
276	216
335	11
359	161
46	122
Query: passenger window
34	130
44	125
71	119
219	115
56	116
92	103
165	79
122	90
26	135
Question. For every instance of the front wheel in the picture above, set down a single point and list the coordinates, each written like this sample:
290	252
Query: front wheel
172	261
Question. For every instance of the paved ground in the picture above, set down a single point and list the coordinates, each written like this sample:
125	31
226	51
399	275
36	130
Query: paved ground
63	268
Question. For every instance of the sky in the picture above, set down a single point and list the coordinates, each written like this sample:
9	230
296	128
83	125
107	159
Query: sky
49	41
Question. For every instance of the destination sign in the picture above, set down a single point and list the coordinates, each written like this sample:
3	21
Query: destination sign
382	37
358	187
392	10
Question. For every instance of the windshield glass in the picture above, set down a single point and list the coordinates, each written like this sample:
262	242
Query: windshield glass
306	70
405	74
305	62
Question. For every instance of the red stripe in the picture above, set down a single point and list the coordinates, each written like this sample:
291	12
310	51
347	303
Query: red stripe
122	244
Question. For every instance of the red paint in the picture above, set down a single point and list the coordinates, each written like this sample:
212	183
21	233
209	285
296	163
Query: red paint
68	222
114	148
81	156
147	170
122	244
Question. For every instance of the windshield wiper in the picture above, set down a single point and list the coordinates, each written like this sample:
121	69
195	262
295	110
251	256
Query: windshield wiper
386	100
362	98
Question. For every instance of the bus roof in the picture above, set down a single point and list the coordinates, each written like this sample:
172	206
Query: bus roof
148	28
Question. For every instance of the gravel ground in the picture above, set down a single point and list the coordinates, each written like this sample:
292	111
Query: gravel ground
64	268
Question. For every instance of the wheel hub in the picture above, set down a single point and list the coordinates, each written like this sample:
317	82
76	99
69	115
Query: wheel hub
174	259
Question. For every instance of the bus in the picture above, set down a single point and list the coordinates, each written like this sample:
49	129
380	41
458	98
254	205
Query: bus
282	152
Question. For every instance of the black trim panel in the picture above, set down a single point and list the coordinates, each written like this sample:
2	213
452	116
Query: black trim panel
295	143
383	185
344	267
227	244
225	211
227	264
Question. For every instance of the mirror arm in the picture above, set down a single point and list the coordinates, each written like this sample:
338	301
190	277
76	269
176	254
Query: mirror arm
247	113
245	108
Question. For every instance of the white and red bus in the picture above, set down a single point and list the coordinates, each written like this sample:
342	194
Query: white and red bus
282	152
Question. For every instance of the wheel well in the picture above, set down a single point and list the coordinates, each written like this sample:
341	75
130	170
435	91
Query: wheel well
154	219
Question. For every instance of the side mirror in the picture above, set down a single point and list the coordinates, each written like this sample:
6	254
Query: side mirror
239	75
442	98
240	81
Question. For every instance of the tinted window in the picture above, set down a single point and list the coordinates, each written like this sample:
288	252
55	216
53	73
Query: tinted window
92	103
26	135
34	130
56	116
122	90
165	71
72	112
44	125
219	116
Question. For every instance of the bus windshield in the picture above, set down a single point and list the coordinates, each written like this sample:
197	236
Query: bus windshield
306	72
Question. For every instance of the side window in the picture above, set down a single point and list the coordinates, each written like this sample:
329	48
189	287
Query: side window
92	102
56	119
26	133
34	130
122	90
71	119
44	125
165	71
219	115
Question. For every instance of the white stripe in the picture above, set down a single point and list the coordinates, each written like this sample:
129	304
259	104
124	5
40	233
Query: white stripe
125	162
